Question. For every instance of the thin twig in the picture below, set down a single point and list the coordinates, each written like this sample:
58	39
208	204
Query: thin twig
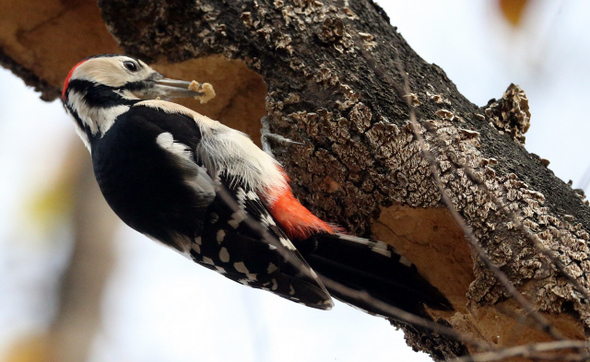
528	234
399	314
530	351
526	304
360	296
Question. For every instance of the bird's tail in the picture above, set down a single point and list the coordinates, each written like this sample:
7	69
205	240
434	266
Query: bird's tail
373	267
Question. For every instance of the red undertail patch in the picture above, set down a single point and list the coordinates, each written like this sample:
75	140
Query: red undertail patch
297	221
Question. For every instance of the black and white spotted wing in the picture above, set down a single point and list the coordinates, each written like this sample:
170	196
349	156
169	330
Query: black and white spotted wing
184	203
243	246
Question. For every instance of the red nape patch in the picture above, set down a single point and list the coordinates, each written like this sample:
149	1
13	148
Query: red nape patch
297	221
67	81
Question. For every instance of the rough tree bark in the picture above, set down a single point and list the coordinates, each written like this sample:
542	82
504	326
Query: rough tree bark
326	74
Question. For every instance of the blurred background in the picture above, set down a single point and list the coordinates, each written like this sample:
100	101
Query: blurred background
73	276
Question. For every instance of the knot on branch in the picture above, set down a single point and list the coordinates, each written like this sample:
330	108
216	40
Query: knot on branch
511	114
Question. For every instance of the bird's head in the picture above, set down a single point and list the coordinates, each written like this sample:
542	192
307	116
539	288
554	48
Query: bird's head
100	88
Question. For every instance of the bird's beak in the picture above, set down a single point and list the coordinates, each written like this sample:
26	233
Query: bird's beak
171	88
158	87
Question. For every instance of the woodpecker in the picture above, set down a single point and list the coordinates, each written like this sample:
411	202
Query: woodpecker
207	191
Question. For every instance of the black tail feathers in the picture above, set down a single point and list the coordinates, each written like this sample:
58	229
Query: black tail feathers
373	267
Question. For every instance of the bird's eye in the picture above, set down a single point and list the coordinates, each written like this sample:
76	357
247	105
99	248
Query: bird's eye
130	66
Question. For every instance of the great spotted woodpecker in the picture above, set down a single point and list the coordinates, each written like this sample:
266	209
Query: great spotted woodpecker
209	192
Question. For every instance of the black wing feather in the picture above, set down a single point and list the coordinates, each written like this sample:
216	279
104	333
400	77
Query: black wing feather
228	234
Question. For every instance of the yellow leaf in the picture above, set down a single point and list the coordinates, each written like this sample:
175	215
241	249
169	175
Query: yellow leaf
32	348
512	10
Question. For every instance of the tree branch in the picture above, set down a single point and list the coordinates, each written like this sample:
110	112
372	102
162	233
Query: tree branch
325	75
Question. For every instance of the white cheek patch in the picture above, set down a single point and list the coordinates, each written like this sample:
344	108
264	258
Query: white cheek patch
80	107
97	119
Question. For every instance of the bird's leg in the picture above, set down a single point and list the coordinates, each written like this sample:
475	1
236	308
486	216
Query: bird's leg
269	139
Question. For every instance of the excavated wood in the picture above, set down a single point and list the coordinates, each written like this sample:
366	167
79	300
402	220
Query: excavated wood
41	40
326	73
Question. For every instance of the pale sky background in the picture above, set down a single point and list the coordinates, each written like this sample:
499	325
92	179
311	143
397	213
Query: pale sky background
161	307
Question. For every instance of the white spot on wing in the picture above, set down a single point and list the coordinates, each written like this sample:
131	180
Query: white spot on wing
382	249
267	220
252	195
166	141
208	261
271	268
287	243
220	236
241	197
405	261
224	255
237	218
196	176
241	267
196	247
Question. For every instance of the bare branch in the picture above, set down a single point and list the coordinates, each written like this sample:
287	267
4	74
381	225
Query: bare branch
526	304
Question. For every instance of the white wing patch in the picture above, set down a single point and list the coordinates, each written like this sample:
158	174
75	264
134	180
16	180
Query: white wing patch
166	141
197	179
231	152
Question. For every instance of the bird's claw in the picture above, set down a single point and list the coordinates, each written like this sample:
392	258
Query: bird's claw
266	137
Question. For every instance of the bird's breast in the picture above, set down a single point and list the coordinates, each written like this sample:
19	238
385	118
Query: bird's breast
144	188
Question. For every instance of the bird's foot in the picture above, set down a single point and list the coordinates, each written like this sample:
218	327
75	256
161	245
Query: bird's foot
273	141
